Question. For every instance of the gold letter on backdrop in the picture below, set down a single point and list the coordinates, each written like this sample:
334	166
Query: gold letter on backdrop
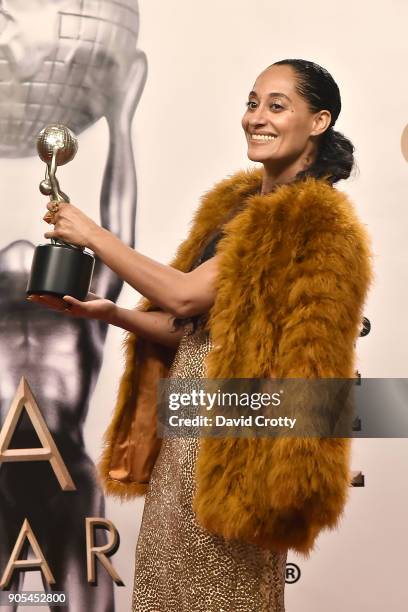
48	452
93	551
16	563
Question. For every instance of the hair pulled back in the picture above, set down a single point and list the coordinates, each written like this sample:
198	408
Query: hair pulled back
335	159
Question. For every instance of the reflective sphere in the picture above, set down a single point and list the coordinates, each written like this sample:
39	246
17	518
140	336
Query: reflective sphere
45	187
60	137
61	61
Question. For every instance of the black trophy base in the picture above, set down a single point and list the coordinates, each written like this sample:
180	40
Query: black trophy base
59	270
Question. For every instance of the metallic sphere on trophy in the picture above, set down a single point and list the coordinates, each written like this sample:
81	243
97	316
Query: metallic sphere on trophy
56	145
57	138
63	62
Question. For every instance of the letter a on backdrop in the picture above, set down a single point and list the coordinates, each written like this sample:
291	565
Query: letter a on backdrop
39	562
24	398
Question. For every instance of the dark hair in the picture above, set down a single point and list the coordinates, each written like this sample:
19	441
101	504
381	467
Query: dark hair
335	159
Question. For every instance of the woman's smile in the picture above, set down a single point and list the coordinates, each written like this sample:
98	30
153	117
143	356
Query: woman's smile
261	138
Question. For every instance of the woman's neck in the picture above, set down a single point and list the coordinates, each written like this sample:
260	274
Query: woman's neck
274	176
269	184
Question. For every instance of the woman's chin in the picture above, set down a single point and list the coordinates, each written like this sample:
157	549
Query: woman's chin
258	156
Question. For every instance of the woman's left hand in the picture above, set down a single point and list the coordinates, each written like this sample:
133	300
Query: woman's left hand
70	224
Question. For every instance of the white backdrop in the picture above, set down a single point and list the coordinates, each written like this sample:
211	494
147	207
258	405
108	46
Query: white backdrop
203	58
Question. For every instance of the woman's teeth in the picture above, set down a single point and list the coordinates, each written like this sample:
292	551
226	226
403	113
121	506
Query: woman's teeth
263	137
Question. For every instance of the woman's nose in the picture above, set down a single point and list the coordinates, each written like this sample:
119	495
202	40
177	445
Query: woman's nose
258	116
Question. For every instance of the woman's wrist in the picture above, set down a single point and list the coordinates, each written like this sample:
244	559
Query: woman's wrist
96	237
112	316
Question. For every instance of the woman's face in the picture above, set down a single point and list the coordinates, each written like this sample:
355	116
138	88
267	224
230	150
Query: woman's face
278	124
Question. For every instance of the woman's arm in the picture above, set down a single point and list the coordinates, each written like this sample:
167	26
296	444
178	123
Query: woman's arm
153	325
181	294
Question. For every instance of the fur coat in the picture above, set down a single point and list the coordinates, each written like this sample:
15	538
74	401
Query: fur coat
294	271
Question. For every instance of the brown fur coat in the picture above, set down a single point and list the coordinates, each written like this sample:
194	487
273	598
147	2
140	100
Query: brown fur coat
294	271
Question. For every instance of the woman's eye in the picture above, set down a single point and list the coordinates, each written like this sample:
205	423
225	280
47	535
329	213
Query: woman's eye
251	104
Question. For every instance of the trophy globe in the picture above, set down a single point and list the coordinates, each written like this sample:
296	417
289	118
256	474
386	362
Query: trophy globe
58	268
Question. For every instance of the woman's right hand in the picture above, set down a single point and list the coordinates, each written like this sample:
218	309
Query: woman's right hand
93	307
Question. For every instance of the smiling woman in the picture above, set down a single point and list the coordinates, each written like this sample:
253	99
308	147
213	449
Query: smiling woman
221	514
289	124
276	269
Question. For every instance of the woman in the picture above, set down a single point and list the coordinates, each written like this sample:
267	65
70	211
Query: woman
271	281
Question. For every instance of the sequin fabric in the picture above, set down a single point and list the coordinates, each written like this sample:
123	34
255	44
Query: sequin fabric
179	565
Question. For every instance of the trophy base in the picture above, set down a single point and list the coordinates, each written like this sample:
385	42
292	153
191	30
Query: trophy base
59	270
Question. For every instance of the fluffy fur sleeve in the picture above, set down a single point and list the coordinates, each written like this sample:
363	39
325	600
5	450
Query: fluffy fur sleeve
281	492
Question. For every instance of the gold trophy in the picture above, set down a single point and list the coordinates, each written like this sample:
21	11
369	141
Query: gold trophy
59	268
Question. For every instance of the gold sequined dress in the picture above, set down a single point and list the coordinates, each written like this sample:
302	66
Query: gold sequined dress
179	566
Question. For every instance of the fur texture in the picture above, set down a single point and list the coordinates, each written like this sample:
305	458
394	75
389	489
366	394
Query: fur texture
295	268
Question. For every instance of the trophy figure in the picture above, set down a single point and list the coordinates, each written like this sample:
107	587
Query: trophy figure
58	268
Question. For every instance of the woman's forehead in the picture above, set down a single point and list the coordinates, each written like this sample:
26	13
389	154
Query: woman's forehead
277	79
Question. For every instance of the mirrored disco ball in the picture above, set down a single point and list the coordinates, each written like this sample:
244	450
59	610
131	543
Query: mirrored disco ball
61	61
